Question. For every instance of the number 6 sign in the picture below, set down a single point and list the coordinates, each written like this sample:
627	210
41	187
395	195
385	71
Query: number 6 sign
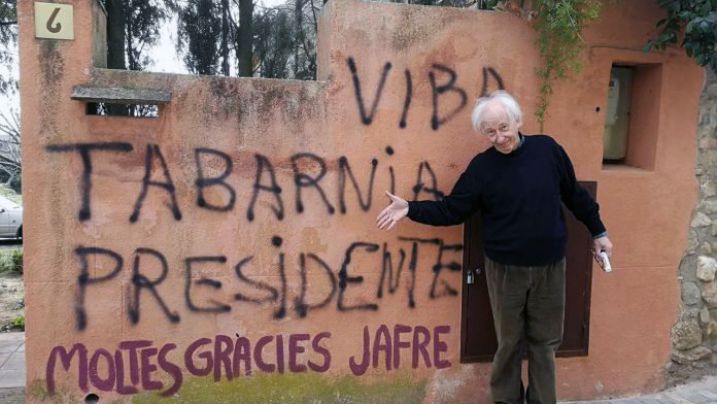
53	21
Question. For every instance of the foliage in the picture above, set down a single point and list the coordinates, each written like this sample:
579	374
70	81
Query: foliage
699	20
8	41
559	24
10	156
199	32
11	261
273	42
138	22
19	322
142	21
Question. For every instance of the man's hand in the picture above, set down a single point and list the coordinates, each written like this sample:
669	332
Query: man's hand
397	210
601	244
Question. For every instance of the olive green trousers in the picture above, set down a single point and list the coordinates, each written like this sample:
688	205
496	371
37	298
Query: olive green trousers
528	303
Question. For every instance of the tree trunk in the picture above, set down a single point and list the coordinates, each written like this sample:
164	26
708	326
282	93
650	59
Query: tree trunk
298	32
246	9
116	20
225	37
115	34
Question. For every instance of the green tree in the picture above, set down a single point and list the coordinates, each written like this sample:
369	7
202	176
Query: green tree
693	21
133	28
273	42
8	42
200	31
10	156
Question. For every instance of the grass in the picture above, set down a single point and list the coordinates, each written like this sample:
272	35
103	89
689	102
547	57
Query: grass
11	260
295	388
19	323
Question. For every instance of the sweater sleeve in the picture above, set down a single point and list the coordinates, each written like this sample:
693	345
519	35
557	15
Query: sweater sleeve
576	198
451	209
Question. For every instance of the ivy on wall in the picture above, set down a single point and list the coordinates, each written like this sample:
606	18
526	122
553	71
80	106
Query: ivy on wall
559	24
695	22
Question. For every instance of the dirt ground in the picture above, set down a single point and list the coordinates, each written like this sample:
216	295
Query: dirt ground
12	396
12	303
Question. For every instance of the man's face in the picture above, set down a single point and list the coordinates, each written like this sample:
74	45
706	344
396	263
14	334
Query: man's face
499	128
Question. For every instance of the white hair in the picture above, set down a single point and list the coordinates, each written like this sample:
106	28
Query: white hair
506	100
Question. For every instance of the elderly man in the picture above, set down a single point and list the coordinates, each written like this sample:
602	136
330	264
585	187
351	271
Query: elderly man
517	186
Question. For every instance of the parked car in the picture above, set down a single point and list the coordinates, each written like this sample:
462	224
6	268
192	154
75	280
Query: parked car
10	218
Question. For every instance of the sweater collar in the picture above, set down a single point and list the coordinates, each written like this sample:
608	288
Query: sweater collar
516	151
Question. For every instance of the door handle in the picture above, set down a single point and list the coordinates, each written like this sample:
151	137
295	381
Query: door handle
471	274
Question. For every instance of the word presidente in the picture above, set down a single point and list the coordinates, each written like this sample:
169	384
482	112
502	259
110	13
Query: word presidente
264	292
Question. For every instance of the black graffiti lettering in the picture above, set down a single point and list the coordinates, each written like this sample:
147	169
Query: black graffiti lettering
366	119
436	122
387	267
489	71
203	182
344	170
280	312
263	164
215	307
140	281
273	293
391	174
303	180
84	279
412	265
147	181
300	305
85	150
453	266
421	186
407	100
345	279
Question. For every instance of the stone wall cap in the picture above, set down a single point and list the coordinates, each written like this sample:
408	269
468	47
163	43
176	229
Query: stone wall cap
119	95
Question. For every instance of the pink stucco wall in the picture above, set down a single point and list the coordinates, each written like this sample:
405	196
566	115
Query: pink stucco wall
265	127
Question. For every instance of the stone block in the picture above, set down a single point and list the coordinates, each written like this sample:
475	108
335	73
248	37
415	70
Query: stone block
707	143
686	335
690	294
706	268
701	220
692	355
705	316
711	329
708	207
709	294
708	189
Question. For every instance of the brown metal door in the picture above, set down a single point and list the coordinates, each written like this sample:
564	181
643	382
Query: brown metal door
478	341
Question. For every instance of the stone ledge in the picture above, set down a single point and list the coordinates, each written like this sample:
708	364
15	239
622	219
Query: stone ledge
119	95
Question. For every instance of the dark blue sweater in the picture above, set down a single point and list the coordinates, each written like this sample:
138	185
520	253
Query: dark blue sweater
518	196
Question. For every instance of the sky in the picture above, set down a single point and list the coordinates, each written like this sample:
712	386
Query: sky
164	55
